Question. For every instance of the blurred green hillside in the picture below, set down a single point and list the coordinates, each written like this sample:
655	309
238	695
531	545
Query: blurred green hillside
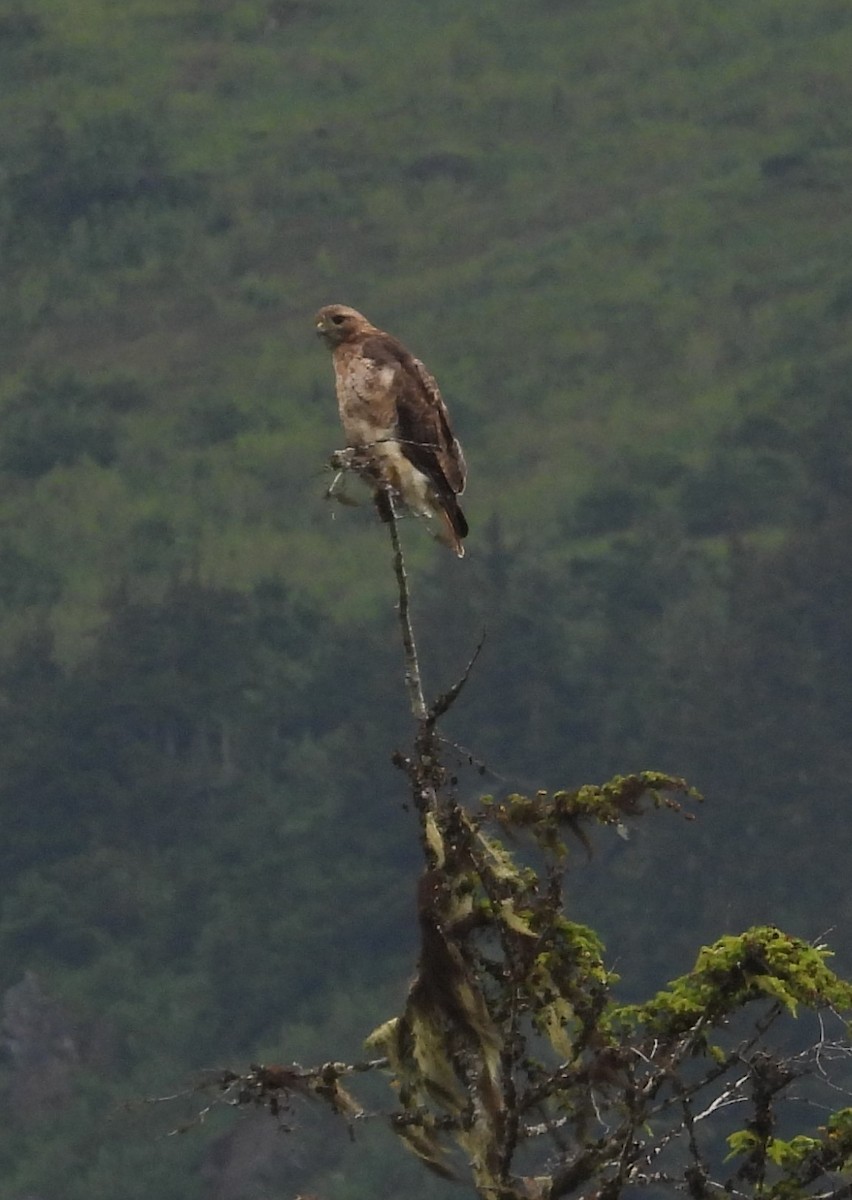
618	234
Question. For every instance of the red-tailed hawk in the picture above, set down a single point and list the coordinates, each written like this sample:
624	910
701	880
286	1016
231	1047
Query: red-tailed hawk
393	413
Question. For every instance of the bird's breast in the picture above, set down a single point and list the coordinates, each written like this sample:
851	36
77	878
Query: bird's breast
366	398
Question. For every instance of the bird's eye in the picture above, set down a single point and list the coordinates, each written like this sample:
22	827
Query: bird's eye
337	319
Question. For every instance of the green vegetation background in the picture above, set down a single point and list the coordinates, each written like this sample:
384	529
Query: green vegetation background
619	235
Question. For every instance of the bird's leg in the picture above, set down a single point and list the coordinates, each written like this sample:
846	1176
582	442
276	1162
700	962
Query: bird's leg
359	460
340	462
343	460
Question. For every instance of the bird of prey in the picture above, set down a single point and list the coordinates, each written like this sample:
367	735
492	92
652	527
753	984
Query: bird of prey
395	420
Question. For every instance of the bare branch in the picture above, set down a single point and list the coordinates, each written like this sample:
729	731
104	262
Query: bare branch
413	680
446	701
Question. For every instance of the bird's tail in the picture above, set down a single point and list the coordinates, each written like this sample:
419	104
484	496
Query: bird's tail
454	524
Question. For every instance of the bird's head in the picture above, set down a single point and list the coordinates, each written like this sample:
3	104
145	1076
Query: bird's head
336	323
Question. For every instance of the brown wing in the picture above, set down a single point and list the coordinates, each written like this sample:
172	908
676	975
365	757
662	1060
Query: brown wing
423	424
434	416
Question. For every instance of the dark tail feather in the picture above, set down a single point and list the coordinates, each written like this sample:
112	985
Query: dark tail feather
453	520
455	523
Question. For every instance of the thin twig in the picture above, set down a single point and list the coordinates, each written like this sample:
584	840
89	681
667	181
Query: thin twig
450	696
413	680
472	759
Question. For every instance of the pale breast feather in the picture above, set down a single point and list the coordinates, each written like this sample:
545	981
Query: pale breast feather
366	397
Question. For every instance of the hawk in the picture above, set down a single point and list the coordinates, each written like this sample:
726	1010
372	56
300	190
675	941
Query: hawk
393	413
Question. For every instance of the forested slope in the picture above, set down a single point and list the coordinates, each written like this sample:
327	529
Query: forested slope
618	234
